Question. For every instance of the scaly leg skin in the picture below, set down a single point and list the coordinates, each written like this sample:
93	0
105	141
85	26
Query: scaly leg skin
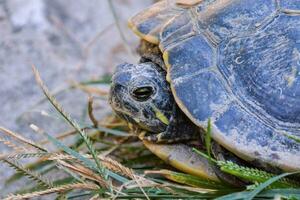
180	128
223	155
150	53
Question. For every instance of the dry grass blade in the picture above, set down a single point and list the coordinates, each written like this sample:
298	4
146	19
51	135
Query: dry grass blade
87	47
96	37
17	155
57	156
114	148
91	90
116	18
84	172
114	13
32	175
21	138
117	167
86	186
183	187
68	33
12	145
90	111
100	168
95	197
109	163
112	121
137	180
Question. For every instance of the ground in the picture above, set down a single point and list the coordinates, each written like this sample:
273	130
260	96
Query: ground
67	41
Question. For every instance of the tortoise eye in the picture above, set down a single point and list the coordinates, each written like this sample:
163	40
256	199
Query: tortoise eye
142	93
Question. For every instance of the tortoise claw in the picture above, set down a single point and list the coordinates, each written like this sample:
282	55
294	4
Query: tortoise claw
163	137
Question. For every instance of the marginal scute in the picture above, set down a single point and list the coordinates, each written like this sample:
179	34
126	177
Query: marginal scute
186	58
177	29
246	136
149	24
174	24
227	18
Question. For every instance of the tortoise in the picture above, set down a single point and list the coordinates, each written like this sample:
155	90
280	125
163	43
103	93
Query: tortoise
234	63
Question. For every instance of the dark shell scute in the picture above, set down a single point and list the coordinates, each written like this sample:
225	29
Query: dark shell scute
176	30
239	124
148	25
263	70
236	18
251	136
202	94
187	58
175	24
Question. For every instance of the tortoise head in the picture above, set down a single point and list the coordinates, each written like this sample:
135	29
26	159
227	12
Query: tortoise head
141	95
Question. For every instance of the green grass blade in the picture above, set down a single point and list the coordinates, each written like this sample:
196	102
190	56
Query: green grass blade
283	192
56	183
190	180
105	79
264	185
28	173
293	137
77	155
112	131
205	156
35	166
255	175
268	194
100	168
208	139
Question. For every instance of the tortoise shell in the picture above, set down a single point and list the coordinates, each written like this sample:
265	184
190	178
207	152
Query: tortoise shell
237	63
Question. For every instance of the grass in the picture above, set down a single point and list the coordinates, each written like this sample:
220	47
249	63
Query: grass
108	161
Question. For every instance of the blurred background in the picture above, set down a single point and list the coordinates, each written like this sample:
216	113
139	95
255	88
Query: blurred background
68	41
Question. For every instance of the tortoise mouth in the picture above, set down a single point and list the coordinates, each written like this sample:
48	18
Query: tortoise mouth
153	126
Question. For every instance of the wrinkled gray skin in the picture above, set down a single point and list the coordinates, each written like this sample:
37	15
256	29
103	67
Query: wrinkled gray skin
137	91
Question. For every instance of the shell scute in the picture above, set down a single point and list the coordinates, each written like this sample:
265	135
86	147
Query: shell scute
186	58
201	96
243	134
266	76
149	24
230	18
177	29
